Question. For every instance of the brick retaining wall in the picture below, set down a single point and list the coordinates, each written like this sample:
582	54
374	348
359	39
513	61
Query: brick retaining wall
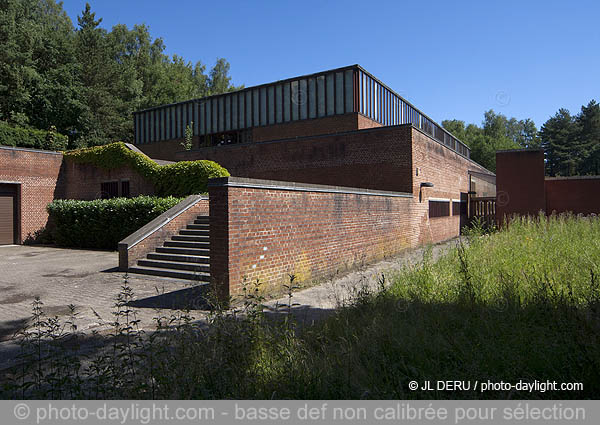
267	230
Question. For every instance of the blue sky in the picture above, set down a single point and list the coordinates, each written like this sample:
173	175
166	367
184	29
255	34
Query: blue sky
451	59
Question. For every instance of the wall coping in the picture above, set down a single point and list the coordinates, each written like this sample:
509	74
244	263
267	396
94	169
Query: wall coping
300	187
301	138
520	150
482	174
160	221
573	178
16	148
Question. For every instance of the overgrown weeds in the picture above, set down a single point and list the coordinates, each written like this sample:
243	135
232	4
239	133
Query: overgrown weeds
518	304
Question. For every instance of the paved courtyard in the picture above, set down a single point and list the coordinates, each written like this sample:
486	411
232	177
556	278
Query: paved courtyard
59	277
90	281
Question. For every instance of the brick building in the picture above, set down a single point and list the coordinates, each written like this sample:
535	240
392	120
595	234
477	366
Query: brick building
339	127
30	179
335	101
329	170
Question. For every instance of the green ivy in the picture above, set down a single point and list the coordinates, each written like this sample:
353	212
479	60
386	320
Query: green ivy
177	179
102	223
32	139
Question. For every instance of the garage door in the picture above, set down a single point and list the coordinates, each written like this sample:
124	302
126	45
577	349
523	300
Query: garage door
7	219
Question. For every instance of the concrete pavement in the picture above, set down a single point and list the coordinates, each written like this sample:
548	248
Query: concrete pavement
90	281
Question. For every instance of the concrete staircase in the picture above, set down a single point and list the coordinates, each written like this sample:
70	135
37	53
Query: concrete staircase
184	256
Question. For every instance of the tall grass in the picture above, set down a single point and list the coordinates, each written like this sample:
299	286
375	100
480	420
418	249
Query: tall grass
519	304
522	303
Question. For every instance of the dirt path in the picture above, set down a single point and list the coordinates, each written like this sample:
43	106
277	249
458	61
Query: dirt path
319	301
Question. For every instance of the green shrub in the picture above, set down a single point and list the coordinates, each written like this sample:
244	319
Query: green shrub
102	223
178	179
33	139
187	177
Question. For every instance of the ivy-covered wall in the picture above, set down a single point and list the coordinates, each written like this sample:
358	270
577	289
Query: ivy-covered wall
177	179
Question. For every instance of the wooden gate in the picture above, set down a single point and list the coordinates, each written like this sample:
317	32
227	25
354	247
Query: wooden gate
7	220
8	214
484	209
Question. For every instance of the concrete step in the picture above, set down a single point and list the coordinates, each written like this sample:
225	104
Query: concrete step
183	251
194	232
158	264
197	227
178	274
201	221
203	218
190	238
186	244
197	259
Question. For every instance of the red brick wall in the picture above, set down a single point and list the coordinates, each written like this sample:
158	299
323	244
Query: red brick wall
575	194
519	183
449	172
44	176
266	230
171	149
268	233
378	159
522	188
381	159
38	173
366	122
83	181
313	127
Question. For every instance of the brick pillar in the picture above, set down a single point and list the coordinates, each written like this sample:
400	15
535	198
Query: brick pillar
219	237
519	183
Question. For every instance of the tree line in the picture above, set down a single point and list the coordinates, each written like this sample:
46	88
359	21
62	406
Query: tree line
86	81
571	143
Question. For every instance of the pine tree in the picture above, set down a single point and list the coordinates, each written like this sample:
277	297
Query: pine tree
98	75
588	122
559	140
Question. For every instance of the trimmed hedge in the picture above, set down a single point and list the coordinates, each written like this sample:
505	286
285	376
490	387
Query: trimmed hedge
32	139
102	223
178	179
187	177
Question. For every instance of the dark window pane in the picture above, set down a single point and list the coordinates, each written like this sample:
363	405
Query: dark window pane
109	190
439	209
125	189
